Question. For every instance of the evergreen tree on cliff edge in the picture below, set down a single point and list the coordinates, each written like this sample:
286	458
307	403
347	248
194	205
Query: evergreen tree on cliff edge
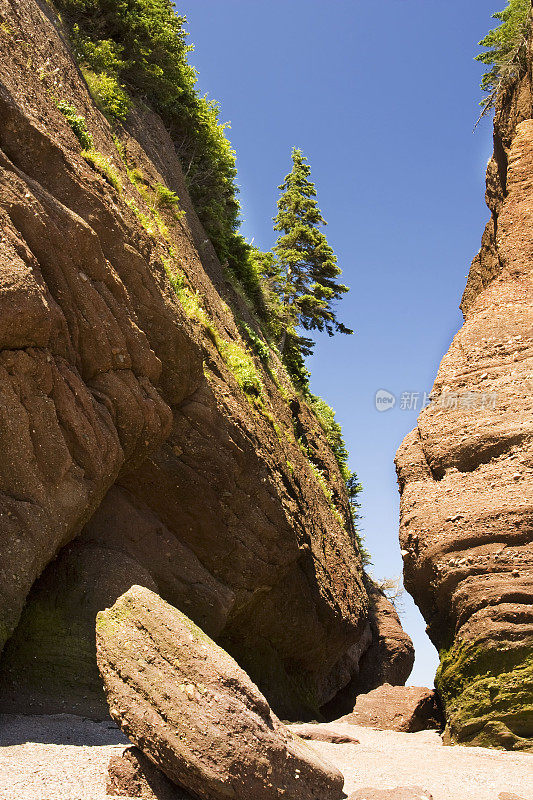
305	271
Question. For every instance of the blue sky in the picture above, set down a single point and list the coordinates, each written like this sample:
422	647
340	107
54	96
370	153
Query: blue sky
382	98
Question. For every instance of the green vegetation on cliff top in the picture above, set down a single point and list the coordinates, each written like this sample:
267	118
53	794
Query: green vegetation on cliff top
138	49
506	49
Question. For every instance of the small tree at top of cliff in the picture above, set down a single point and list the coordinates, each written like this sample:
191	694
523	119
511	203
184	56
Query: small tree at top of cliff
506	49
305	270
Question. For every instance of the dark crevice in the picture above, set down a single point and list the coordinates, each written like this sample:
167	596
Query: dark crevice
500	156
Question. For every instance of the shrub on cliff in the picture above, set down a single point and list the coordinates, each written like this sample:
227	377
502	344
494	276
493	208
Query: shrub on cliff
139	47
108	94
506	49
77	124
326	416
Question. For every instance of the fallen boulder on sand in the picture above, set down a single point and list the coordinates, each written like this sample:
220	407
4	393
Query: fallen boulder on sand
195	713
406	709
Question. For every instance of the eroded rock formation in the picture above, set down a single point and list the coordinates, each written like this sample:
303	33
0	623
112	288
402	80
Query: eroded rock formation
189	707
406	709
383	655
129	452
466	471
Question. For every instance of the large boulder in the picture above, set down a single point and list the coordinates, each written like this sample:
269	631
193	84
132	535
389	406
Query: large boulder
195	713
407	709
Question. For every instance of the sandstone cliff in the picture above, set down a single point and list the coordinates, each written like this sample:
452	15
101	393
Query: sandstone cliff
466	471
142	440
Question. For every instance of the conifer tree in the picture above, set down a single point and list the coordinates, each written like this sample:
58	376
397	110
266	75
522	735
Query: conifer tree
305	270
506	49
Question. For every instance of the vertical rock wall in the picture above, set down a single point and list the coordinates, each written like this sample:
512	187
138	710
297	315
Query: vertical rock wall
466	471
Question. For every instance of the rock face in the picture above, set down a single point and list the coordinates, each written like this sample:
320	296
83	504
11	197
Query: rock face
191	709
384	655
406	709
129	452
466	471
391	656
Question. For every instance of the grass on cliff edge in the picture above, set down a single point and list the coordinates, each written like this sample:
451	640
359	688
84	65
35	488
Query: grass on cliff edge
242	366
139	48
77	124
239	362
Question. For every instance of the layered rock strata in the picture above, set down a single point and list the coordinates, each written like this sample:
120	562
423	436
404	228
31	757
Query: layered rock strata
466	471
132	449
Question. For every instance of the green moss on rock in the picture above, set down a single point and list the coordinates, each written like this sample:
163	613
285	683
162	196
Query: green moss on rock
488	695
50	663
111	619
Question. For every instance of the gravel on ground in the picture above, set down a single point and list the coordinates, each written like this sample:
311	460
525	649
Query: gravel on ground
386	760
63	757
59	757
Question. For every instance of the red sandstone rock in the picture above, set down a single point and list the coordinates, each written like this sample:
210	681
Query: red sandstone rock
466	471
397	708
112	428
191	709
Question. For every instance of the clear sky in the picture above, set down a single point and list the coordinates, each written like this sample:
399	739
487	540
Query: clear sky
382	97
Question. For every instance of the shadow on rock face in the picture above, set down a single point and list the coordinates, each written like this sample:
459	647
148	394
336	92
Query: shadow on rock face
132	774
